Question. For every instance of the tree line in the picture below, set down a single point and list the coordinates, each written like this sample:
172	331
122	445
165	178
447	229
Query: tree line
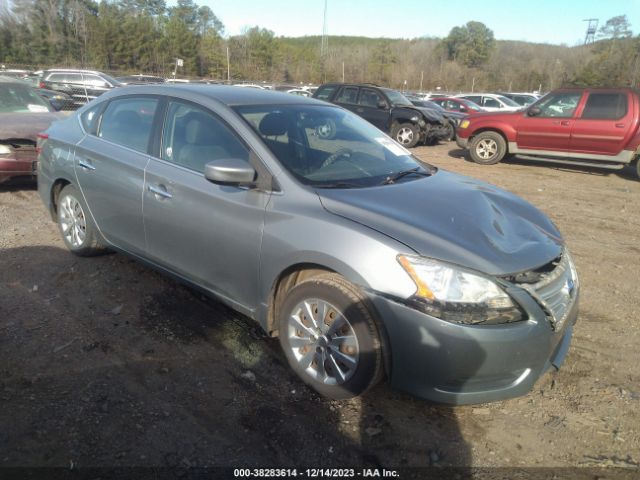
134	36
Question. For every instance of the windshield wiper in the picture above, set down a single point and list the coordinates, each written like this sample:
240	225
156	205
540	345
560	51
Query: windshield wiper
413	171
338	185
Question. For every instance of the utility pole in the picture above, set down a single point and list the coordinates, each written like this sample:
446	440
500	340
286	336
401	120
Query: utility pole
324	45
342	72
421	78
228	67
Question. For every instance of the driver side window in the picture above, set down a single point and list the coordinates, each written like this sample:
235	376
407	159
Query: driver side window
560	105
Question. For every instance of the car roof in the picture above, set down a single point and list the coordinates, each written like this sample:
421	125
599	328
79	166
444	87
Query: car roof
15	81
228	95
73	70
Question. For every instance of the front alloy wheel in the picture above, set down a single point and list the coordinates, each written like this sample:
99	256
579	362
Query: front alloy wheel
406	134
323	342
488	148
330	336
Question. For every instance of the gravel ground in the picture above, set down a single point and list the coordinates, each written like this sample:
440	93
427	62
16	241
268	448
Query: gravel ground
104	362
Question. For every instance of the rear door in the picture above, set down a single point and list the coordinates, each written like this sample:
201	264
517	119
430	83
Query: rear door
605	124
207	233
550	131
110	169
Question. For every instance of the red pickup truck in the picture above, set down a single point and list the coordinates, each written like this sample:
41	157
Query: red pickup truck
596	127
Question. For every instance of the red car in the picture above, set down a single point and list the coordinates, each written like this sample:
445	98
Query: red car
584	126
23	114
462	105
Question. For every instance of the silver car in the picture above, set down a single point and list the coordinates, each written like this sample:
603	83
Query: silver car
363	260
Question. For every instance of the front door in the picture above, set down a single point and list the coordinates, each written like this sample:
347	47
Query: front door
207	233
374	108
551	129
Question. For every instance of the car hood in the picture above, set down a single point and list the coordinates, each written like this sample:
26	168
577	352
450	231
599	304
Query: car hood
455	219
26	125
430	114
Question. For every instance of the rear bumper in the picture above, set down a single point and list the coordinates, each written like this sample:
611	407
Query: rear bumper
464	364
11	167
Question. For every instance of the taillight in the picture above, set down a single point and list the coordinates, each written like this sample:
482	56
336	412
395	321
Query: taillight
41	136
42	85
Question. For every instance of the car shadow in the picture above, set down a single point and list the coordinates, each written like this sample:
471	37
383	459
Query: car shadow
628	172
106	363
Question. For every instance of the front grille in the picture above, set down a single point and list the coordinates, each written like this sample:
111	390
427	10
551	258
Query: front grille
556	290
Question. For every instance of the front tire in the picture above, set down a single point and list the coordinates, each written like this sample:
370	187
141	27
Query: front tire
406	134
330	336
78	231
488	148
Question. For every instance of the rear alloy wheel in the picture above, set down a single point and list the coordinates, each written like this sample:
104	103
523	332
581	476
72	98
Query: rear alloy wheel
330	338
78	230
406	134
488	148
450	131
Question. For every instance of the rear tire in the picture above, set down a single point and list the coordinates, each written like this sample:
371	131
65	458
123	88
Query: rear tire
451	131
78	231
488	148
330	337
406	134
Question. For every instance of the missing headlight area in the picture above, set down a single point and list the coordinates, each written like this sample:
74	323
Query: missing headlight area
554	286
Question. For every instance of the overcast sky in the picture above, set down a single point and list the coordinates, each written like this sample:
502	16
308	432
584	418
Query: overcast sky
544	21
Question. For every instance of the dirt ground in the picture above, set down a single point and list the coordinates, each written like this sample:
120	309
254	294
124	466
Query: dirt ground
104	362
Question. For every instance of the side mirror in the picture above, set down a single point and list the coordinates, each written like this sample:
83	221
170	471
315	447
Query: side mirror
534	111
463	108
382	105
230	171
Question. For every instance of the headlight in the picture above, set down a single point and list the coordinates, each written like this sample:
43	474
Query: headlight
456	295
5	150
415	118
464	123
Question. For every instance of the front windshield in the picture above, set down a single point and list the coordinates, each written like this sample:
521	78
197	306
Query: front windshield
508	101
328	147
15	98
397	98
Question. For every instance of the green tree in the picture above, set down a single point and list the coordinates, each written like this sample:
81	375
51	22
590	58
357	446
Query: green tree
470	45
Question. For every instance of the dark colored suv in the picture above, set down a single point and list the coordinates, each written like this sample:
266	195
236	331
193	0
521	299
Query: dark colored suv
81	85
388	110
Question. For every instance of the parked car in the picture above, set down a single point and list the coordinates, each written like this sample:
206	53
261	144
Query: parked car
362	259
81	85
598	127
58	100
491	102
23	114
300	92
461	105
453	118
388	110
140	79
522	99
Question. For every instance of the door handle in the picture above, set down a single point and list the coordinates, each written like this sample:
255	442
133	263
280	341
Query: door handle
619	125
359	110
86	165
160	191
564	123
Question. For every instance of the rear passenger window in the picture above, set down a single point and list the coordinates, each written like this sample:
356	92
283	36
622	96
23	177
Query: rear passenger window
193	137
128	122
605	106
491	102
